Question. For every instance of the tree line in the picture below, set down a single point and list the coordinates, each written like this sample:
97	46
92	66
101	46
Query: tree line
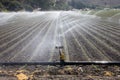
30	5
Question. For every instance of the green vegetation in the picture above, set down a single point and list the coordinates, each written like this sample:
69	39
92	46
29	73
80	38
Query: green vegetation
14	6
1	7
77	4
112	15
107	13
62	5
117	6
92	12
30	5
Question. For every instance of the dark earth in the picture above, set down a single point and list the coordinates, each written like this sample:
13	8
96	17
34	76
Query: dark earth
81	72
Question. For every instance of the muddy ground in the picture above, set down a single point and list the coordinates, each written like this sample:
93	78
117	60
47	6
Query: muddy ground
38	72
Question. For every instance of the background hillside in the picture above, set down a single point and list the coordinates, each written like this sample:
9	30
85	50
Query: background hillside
30	5
101	2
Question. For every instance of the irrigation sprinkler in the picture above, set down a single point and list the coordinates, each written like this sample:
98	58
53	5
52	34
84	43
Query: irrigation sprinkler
61	55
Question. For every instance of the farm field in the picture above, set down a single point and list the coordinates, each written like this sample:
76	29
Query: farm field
32	37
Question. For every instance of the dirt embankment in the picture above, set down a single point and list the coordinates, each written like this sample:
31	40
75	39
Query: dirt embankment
88	72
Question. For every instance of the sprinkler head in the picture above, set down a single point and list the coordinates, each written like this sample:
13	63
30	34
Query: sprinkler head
59	47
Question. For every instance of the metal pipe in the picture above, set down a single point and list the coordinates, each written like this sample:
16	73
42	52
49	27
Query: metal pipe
65	63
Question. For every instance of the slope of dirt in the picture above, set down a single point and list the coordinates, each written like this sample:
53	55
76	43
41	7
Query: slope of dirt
38	72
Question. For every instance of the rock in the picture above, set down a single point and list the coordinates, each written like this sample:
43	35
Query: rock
22	76
108	73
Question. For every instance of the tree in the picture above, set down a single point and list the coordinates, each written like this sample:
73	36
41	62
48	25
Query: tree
43	4
77	4
117	7
62	5
1	7
29	5
14	6
46	4
28	8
